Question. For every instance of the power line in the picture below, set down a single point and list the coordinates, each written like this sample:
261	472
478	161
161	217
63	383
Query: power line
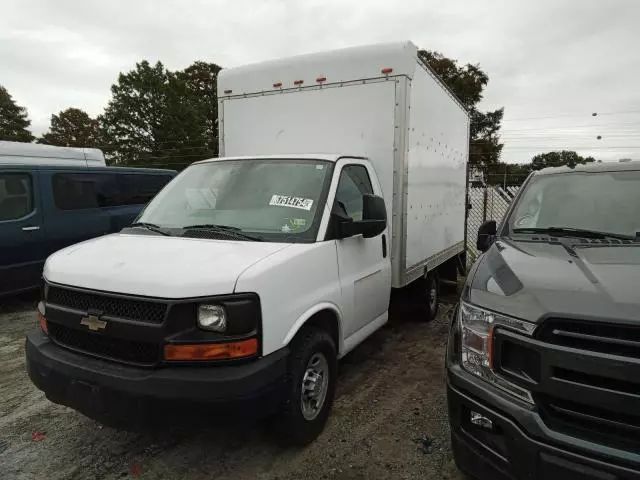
556	127
574	115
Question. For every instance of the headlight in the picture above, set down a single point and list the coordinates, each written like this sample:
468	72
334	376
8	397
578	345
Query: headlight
212	317
477	329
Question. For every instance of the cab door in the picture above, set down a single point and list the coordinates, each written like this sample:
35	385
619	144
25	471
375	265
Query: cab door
363	263
22	251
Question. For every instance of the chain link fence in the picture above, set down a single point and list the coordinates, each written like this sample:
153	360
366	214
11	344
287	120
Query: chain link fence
488	202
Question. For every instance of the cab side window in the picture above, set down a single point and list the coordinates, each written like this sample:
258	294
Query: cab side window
16	196
354	183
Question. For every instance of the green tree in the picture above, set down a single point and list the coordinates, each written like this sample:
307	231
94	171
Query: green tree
467	83
558	159
13	120
151	121
201	80
72	128
507	174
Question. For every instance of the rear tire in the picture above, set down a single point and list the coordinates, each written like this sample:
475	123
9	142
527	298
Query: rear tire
433	296
309	389
426	297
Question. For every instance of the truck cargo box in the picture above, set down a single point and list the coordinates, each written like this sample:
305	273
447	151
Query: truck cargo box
379	102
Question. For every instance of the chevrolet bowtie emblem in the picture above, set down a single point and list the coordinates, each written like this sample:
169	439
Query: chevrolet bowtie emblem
93	322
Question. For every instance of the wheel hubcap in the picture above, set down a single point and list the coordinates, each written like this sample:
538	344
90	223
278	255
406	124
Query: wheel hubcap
315	383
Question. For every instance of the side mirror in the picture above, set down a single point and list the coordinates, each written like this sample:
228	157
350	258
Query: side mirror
373	223
486	234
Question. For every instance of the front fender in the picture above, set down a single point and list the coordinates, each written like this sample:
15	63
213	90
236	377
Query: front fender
325	306
293	284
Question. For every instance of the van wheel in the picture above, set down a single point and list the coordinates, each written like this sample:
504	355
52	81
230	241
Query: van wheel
310	387
426	297
433	296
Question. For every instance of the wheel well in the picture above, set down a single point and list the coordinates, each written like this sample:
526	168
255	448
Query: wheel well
327	321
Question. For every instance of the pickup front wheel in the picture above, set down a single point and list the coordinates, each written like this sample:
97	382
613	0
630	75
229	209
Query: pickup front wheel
310	387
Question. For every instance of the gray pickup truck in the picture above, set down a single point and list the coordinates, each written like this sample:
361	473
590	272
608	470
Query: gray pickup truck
543	359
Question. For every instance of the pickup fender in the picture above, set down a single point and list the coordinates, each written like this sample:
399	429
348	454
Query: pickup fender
302	320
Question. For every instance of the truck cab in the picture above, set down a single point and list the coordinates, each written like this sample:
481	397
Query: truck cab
246	278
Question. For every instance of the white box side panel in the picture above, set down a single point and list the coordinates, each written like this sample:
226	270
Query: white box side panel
356	120
437	150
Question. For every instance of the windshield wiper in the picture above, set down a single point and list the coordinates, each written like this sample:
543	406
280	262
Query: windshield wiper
151	227
573	232
224	228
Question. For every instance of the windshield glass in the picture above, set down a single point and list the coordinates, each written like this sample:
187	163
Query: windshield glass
280	200
605	202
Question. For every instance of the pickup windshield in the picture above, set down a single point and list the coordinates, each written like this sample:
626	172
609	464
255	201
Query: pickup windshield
580	204
275	200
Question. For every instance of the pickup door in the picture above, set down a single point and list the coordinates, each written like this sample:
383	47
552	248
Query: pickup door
363	263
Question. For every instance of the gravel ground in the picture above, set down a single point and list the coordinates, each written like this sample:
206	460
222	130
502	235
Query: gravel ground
390	397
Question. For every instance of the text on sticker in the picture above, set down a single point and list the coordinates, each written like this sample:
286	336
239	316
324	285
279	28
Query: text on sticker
293	202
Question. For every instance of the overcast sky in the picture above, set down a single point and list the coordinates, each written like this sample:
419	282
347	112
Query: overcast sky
556	59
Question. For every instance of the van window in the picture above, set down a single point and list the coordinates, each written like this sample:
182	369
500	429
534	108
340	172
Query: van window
137	189
16	196
74	191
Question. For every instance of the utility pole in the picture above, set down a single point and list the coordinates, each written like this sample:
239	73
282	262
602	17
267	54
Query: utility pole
504	182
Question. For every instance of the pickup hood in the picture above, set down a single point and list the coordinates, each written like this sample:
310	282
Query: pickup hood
533	280
156	266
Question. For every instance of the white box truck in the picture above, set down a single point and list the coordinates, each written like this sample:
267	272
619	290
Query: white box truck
247	277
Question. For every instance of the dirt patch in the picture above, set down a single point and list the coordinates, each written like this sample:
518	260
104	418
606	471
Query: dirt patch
389	421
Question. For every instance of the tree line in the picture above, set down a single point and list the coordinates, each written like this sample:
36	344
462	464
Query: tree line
155	118
160	118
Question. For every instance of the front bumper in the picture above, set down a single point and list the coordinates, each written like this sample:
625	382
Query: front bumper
116	393
520	445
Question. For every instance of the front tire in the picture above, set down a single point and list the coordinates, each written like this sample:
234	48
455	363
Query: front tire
310	387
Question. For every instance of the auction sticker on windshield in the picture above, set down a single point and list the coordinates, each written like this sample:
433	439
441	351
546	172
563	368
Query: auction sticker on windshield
292	202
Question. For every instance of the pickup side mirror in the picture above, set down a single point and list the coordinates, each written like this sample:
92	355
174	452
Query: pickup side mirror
486	234
373	223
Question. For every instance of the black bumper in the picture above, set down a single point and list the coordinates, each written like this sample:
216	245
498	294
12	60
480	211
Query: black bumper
110	392
520	446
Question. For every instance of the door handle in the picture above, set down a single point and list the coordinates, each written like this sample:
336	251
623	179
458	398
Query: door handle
30	229
384	246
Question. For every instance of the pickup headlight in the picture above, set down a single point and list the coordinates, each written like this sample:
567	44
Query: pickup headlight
212	317
476	332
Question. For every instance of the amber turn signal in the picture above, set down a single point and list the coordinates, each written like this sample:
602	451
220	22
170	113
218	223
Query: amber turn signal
43	323
211	351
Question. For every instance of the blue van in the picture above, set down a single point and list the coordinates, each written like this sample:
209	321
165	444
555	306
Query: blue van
49	203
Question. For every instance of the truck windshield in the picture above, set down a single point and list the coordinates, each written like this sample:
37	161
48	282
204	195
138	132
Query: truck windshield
605	202
275	200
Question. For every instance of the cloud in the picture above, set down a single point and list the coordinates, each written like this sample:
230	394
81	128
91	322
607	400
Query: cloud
544	59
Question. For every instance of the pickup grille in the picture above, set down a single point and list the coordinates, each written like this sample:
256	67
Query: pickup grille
129	309
141	353
592	391
623	340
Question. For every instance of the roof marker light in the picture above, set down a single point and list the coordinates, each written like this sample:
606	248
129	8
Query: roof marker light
227	92
298	82
321	79
277	85
387	70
